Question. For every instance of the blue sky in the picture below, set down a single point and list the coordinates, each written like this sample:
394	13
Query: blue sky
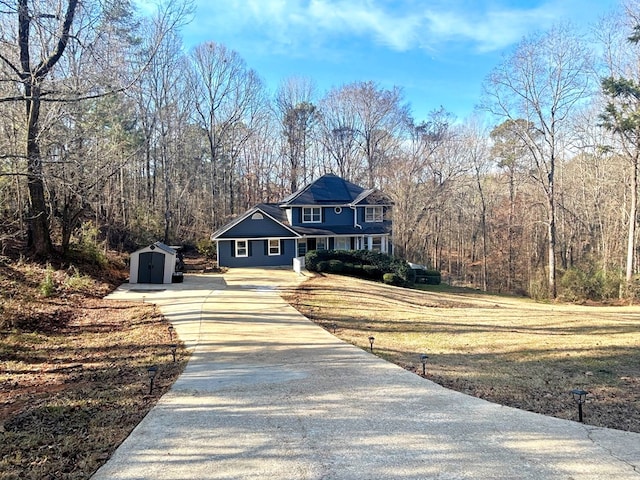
437	51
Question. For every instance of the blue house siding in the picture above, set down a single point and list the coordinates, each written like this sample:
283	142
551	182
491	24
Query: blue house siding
329	217
249	228
258	254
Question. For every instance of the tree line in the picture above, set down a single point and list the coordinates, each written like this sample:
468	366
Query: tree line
109	124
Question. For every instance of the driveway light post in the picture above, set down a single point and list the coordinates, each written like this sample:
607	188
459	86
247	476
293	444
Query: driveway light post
152	371
579	396
371	340
170	328
334	326
423	360
173	347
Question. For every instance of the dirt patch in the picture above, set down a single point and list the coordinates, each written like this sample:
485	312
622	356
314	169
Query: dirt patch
506	350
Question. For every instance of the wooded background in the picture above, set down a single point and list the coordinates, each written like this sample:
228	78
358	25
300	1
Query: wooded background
110	130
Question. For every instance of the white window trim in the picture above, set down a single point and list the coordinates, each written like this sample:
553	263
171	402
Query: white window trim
375	218
312	210
238	248
269	247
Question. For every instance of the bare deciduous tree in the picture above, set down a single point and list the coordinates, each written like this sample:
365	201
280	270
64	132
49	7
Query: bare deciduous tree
542	82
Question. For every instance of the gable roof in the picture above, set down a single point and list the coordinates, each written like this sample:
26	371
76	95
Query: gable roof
161	246
270	210
329	189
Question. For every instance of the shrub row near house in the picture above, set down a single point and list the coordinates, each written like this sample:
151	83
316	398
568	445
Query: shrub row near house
430	277
361	263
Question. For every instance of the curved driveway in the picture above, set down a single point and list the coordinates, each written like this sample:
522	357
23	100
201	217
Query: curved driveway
269	395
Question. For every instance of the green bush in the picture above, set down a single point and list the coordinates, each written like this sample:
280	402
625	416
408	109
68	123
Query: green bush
48	285
323	266
372	271
392	279
206	247
579	285
336	266
362	263
88	248
433	277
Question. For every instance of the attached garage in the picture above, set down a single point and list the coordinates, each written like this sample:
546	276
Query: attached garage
153	264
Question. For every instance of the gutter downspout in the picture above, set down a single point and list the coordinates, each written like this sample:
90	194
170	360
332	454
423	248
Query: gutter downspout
356	224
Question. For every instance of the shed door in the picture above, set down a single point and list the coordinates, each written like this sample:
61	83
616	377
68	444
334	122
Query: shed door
151	267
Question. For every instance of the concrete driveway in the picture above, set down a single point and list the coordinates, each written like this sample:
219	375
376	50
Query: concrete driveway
269	395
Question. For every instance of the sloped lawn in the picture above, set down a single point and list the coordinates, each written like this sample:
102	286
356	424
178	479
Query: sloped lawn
73	372
506	350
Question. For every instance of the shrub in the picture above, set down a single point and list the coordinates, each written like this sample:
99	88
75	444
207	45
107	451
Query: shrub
579	285
433	277
88	249
323	266
363	263
372	271
206	247
48	285
336	266
392	279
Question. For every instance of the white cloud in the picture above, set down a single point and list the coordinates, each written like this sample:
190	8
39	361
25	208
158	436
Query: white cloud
395	24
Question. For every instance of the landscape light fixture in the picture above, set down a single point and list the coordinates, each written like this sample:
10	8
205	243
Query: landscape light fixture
579	396
170	328
152	371
371	340
173	347
423	360
334	326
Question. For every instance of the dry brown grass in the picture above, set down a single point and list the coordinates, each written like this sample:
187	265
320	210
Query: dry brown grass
507	350
73	377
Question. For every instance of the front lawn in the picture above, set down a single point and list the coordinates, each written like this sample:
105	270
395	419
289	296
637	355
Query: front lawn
506	350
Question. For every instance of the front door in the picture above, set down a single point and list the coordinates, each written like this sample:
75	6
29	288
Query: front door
151	268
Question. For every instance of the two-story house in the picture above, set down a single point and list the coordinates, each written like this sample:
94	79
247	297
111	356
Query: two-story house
329	213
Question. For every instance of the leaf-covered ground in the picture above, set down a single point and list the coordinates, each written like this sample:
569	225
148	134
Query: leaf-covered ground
73	371
506	350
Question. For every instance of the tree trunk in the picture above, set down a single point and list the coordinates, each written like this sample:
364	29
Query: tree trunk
38	217
632	224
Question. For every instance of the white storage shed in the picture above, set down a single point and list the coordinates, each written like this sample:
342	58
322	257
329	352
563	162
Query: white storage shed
153	264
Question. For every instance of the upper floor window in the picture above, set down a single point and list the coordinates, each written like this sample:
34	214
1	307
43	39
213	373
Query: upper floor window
373	214
311	214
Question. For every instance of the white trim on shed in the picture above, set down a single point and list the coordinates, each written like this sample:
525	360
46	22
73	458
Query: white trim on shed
160	262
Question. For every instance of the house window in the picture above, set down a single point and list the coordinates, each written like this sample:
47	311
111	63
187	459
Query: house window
321	244
311	214
376	244
373	214
343	243
302	248
274	246
241	248
257	216
337	210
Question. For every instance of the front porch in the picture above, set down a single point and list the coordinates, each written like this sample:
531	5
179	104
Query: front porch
374	243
